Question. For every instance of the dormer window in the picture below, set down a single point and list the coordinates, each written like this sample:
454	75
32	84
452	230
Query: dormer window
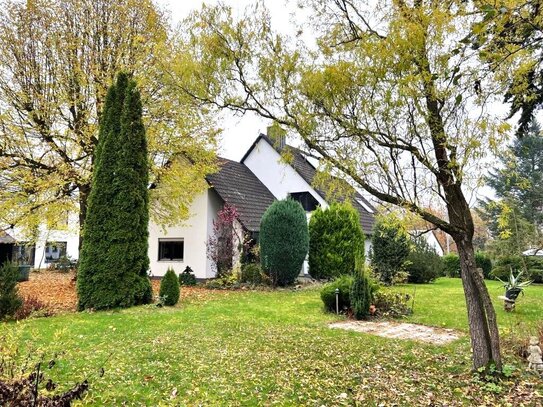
308	201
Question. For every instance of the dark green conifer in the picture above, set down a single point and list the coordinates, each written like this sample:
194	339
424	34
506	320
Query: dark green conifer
113	260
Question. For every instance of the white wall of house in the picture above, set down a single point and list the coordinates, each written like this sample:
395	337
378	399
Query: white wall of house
280	178
50	243
194	234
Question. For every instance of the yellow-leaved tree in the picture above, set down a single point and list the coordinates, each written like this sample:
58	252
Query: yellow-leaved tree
57	59
391	96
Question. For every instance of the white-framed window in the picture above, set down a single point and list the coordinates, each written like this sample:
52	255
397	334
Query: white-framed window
54	251
171	249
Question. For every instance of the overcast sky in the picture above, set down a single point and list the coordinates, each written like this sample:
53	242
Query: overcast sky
239	132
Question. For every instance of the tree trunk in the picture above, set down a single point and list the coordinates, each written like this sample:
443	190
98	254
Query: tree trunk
84	191
483	325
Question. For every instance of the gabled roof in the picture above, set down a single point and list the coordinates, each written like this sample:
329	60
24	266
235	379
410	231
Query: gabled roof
308	172
238	186
5	238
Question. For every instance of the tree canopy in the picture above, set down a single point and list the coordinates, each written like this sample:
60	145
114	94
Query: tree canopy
57	59
391	96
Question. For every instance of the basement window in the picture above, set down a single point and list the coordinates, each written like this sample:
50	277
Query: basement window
171	249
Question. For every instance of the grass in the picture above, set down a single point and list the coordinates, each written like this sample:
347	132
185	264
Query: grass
442	304
266	348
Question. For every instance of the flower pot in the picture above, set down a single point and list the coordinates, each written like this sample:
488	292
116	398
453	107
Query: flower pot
513	293
24	272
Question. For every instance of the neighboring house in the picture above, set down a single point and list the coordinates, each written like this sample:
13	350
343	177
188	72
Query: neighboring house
431	239
250	186
48	247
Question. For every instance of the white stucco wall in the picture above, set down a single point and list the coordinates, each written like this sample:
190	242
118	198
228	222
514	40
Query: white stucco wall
70	235
280	178
194	233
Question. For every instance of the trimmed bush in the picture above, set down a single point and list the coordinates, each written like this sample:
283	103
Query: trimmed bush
169	288
483	262
361	292
424	264
10	301
390	247
187	277
451	263
328	293
284	241
335	236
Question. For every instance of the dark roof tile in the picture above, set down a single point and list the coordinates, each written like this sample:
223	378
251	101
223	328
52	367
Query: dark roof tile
238	186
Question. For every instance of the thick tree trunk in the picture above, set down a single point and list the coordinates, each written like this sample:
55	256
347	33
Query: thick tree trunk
84	191
481	314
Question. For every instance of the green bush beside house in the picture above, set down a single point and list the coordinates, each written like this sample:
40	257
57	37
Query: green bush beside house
284	241
335	235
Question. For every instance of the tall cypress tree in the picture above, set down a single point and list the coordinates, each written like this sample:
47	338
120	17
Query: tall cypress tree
132	200
113	259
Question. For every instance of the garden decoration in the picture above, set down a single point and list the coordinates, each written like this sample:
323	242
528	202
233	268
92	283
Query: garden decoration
534	355
513	287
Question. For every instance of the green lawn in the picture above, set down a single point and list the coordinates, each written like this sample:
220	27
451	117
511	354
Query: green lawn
442	304
267	348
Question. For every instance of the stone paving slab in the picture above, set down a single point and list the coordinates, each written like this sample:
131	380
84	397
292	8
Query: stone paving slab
401	330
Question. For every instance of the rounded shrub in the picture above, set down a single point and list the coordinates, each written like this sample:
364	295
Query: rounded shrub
169	288
335	236
390	247
424	264
284	241
451	263
328	293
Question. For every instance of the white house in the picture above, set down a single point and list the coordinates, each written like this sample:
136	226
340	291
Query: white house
250	185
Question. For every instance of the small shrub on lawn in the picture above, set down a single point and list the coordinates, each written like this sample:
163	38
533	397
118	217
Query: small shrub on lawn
424	264
10	301
328	293
361	292
187	277
391	304
31	306
169	288
451	263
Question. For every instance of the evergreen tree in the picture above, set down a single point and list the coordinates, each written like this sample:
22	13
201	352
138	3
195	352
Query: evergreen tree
361	295
113	260
519	176
169	288
335	235
284	241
